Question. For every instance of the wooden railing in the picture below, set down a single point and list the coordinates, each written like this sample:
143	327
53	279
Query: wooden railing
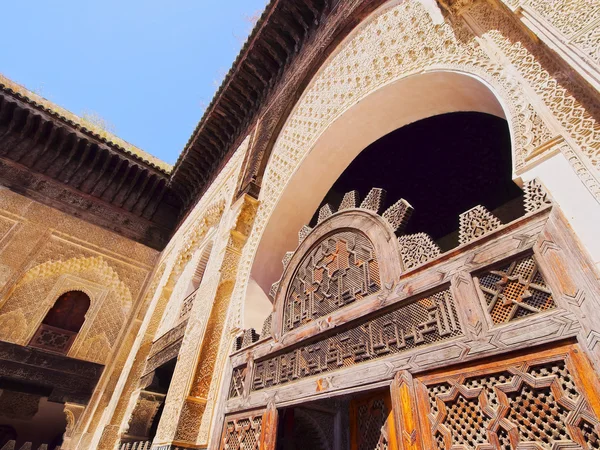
138	445
53	339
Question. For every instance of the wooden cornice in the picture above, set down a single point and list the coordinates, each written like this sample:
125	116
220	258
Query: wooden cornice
273	45
51	156
55	161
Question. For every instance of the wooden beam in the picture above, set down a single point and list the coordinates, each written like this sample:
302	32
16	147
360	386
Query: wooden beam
404	406
268	432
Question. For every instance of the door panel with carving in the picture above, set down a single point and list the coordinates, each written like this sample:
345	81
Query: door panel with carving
544	400
372	423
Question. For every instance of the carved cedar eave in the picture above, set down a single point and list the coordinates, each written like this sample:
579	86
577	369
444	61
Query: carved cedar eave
57	162
359	221
68	379
287	46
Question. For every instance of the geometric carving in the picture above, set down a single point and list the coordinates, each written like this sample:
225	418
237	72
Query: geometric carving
53	339
398	214
350	201
237	382
535	196
411	324
515	290
530	405
146	407
304	231
374	200
242	433
475	223
339	270
286	259
266	328
249	337
325	212
417	249
273	290
371	417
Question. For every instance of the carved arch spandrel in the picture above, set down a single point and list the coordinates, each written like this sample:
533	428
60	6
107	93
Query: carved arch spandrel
361	222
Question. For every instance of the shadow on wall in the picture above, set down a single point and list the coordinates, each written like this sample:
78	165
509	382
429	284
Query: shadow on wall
26	417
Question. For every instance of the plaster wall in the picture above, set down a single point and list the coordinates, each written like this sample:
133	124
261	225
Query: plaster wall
44	253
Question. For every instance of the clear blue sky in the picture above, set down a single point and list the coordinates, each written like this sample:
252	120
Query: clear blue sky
147	67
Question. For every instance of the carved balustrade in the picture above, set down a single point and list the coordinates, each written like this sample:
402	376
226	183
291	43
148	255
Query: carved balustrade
53	339
358	307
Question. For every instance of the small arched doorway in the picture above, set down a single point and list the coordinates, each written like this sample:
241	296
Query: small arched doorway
59	328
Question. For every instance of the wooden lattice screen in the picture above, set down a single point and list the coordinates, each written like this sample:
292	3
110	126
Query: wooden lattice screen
544	400
341	269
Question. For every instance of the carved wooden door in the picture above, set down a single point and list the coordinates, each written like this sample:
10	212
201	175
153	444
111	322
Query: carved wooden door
542	400
372	423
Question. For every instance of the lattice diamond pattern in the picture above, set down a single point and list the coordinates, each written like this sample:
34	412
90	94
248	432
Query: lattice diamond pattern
242	433
339	270
515	290
371	418
534	405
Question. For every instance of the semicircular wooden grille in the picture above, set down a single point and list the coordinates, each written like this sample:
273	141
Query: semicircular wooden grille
341	269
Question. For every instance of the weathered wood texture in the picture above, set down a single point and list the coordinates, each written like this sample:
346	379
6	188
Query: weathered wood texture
372	423
533	258
539	399
268	433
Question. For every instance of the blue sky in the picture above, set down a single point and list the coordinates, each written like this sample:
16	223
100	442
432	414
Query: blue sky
147	67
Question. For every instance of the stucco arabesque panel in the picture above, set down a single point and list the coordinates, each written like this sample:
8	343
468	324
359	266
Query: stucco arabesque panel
39	288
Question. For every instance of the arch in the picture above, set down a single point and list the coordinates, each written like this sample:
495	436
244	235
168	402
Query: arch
37	290
69	311
62	322
374	83
383	111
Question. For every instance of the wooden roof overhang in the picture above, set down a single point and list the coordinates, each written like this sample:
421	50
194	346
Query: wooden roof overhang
289	42
57	161
51	156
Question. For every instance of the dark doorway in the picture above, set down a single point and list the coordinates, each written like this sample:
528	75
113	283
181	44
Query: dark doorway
443	165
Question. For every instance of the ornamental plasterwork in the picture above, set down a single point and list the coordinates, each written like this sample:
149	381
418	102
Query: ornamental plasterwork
385	48
39	288
209	212
548	80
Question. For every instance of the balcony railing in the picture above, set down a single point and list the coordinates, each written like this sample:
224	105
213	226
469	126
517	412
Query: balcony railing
53	339
137	445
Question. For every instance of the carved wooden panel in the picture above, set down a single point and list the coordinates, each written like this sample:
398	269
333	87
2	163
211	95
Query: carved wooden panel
411	324
372	423
514	290
543	400
53	339
242	432
339	270
237	382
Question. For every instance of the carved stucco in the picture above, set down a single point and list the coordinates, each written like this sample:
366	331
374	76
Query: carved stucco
38	289
110	420
389	46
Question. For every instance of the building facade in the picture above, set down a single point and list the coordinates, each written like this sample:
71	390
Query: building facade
266	293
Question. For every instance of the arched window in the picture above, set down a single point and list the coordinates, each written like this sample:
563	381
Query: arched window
195	281
62	323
